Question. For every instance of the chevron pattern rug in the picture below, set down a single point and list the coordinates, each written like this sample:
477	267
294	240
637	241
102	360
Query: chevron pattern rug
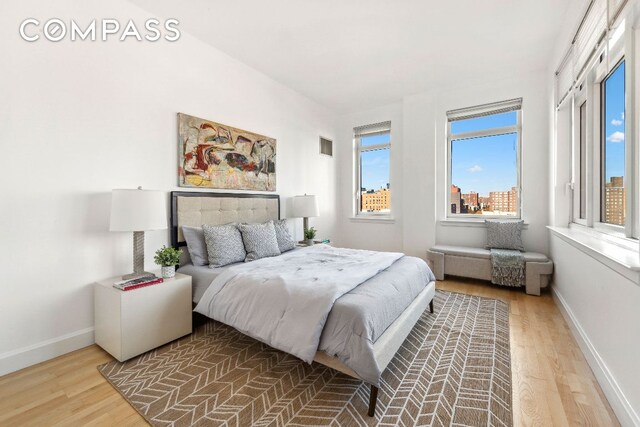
453	369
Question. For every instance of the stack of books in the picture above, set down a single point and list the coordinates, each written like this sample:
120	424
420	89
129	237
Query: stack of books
139	282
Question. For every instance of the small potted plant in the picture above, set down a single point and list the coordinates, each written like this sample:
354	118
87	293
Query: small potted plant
309	235
168	258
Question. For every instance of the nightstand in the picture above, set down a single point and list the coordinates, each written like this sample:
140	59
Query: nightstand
129	323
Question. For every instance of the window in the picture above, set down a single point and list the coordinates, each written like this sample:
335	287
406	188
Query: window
601	189
484	160
593	79
372	150
612	192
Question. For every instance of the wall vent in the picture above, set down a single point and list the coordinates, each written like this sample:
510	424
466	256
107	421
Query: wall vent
326	146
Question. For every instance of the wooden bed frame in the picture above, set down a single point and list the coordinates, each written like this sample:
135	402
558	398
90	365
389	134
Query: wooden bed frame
240	206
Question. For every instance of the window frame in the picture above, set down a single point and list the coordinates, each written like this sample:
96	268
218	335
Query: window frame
581	98
517	128
376	129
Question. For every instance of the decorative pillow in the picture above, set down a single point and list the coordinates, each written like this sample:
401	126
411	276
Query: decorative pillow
260	240
285	240
504	234
194	236
224	244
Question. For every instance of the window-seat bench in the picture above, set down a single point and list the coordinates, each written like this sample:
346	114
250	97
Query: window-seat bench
475	263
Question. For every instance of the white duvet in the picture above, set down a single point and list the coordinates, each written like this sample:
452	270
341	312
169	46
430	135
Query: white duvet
284	301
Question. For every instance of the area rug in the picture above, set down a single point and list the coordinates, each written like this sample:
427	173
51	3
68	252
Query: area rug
453	369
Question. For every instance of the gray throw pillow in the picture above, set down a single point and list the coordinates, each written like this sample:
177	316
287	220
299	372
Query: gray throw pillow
259	240
285	240
224	244
194	236
504	234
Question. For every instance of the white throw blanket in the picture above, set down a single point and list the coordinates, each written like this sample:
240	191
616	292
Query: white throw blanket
284	301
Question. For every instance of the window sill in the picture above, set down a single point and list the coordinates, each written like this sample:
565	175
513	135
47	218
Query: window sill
610	234
610	231
618	256
373	218
464	222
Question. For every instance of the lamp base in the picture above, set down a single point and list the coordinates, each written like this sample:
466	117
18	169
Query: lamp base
138	257
305	227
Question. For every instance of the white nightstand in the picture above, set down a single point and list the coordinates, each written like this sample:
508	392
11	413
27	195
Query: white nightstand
129	323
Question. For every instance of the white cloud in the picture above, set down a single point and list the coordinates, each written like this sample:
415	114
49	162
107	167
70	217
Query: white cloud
474	169
616	122
616	137
622	116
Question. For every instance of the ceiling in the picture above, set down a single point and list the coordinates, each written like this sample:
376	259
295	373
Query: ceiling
356	54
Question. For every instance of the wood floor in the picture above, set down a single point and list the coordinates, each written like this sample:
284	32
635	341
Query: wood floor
552	383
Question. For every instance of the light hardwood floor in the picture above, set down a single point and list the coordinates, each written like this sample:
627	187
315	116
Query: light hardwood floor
552	383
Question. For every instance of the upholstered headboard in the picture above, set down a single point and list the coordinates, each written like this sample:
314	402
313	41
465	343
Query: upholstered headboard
197	208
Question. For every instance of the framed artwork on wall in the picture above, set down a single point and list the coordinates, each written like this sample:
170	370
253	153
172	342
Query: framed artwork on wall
213	155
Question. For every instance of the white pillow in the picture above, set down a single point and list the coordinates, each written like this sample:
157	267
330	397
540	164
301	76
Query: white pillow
194	236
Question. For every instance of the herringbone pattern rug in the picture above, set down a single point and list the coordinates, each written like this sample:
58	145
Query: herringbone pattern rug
453	369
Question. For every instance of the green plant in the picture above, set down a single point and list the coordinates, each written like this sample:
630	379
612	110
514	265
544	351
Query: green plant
167	256
310	233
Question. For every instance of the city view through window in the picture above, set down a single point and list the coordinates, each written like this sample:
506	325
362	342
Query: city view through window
484	169
375	193
613	209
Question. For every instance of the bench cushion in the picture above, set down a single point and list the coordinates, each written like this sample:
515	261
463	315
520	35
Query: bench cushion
466	251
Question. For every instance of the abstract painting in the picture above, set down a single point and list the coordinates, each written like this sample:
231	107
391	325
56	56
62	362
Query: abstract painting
213	155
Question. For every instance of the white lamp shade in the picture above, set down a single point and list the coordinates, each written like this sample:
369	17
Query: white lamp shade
305	206
138	210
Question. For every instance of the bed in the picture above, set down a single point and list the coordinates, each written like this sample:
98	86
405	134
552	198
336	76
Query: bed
373	318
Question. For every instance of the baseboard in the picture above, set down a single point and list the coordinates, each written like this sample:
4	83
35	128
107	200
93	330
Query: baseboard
619	403
15	360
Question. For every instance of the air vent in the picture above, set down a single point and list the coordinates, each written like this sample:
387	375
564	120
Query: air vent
326	146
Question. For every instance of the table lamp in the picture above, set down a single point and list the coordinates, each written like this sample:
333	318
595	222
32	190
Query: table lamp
138	211
305	207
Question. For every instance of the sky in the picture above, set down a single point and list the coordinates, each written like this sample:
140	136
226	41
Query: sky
614	123
484	164
375	164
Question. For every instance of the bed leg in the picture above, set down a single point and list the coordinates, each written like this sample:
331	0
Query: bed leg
431	306
373	398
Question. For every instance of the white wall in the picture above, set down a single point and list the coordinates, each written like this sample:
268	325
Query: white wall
81	118
421	158
559	147
357	233
601	305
